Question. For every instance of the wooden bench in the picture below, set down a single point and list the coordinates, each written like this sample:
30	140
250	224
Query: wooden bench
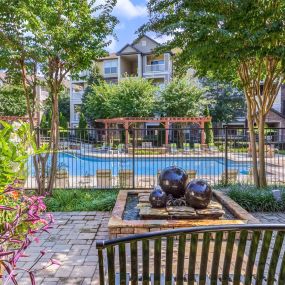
231	254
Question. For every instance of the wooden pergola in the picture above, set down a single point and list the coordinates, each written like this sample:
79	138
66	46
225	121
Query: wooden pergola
165	121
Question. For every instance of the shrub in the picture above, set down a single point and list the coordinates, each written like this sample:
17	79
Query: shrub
256	200
22	218
81	200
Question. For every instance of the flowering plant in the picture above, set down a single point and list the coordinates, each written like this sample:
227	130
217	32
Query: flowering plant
22	218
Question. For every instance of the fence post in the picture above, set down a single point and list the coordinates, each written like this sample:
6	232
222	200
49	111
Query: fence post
226	156
133	160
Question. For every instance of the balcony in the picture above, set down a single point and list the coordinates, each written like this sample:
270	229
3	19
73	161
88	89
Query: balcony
154	68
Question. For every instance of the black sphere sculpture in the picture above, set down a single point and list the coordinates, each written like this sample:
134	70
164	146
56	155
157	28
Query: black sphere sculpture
157	197
198	194
173	180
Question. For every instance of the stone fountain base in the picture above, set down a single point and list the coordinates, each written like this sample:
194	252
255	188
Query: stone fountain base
213	211
221	211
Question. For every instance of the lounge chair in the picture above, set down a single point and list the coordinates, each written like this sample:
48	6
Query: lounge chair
104	178
186	147
213	148
126	178
121	148
197	147
173	148
61	178
146	144
232	176
85	181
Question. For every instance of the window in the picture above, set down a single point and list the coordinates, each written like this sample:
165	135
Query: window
110	66
143	43
154	62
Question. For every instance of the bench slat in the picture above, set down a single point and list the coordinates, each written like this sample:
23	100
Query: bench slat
122	260
169	261
157	261
101	266
275	257
180	260
145	257
251	257
216	257
111	265
228	257
240	257
263	256
192	259
204	258
134	263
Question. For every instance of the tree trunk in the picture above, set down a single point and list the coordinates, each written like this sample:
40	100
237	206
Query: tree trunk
54	138
261	154
252	137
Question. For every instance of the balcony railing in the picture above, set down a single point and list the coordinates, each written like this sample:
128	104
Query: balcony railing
155	68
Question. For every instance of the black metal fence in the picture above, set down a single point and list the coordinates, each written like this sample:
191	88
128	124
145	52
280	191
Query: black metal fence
133	158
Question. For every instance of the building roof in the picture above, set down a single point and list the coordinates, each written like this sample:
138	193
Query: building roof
112	55
126	46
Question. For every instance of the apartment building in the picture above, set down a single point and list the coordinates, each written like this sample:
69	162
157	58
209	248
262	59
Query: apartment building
136	59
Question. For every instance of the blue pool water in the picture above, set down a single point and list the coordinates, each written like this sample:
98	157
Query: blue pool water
82	165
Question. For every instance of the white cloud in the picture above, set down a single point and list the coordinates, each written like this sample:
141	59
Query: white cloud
126	9
113	45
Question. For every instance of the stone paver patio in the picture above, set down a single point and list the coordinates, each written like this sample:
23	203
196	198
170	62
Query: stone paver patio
72	242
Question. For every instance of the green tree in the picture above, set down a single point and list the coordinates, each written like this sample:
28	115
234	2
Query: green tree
240	41
57	37
228	101
12	101
208	127
131	97
181	98
82	126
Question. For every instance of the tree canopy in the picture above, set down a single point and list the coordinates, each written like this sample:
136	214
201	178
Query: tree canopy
218	36
182	98
55	38
131	97
12	101
228	101
237	40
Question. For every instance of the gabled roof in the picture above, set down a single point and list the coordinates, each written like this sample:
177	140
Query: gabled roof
135	50
145	36
277	113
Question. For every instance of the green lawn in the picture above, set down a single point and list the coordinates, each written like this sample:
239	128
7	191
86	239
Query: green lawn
81	200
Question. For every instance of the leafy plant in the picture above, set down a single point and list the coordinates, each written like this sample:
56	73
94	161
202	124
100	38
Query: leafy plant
12	101
81	200
22	218
256	200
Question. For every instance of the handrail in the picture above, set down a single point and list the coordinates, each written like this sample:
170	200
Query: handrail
100	244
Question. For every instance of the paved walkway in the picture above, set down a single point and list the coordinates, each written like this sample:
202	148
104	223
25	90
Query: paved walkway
72	242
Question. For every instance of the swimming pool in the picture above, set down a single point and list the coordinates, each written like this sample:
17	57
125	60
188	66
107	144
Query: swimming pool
83	165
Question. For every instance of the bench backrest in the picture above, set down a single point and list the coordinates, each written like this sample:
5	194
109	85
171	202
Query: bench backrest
235	254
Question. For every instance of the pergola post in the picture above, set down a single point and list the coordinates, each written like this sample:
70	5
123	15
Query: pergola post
166	126
202	126
126	126
106	132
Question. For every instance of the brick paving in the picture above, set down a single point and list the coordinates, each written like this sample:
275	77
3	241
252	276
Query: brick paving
72	242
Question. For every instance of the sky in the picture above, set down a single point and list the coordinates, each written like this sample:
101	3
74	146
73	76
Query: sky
131	15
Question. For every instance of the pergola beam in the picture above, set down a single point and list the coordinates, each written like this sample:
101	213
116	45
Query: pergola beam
166	121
